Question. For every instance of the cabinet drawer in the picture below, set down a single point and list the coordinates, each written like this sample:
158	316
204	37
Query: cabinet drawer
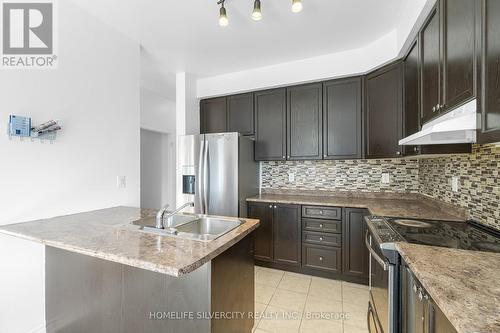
320	238
321	257
322	225
334	213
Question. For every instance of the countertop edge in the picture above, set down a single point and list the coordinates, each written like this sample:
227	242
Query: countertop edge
168	270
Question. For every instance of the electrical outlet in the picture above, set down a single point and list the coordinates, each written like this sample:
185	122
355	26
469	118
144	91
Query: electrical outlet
121	181
291	177
454	184
385	178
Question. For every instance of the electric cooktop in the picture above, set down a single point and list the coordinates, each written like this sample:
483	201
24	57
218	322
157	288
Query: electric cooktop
458	235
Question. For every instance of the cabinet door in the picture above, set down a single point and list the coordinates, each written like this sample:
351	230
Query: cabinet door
431	66
384	94
304	122
439	323
264	234
270	136
490	79
213	115
411	96
287	237
459	51
355	253
240	115
342	122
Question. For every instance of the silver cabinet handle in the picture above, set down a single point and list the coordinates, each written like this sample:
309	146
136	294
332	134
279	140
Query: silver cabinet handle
320	258
381	261
320	212
283	156
398	153
321	225
270	206
433	109
321	239
275	207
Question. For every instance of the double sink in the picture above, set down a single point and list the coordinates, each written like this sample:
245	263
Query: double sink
191	226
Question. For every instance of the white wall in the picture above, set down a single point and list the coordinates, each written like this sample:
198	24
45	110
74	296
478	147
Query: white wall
157	112
157	165
95	93
334	65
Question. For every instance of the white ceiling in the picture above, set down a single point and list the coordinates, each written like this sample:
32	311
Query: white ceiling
184	35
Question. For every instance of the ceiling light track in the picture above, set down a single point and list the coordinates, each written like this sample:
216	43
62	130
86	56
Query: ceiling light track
256	13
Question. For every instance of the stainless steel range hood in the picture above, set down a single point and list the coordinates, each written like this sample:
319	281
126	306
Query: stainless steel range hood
457	126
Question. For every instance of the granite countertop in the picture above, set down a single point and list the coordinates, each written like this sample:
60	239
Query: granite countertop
106	234
463	284
382	204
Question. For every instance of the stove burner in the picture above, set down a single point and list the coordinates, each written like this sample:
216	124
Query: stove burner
487	246
413	223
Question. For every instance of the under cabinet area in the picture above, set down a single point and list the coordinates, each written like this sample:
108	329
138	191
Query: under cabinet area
318	240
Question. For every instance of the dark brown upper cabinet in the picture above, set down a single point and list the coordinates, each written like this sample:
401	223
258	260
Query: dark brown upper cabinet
270	122
431	65
355	261
411	96
384	111
342	119
240	114
489	75
213	115
448	51
458	52
304	122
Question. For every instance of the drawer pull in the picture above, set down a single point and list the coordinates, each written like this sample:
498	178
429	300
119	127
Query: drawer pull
321	225
320	212
320	258
321	238
270	206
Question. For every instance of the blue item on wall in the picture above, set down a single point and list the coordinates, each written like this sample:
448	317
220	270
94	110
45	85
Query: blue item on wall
19	126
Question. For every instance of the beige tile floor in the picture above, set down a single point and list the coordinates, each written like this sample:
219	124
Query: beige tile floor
296	303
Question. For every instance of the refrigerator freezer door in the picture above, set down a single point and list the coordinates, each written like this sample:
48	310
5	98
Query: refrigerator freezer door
222	169
189	158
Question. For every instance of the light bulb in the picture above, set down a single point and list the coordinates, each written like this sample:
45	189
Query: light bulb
257	13
223	20
296	6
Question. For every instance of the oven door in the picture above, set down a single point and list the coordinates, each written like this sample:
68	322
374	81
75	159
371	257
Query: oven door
381	290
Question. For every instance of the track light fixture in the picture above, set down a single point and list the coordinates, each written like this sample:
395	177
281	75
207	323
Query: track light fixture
296	6
257	13
223	20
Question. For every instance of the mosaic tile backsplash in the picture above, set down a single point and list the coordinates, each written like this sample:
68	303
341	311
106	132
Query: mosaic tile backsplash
350	175
479	181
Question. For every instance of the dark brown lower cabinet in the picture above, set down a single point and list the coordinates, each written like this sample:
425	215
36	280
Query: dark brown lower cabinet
307	240
355	261
278	238
286	220
264	234
322	257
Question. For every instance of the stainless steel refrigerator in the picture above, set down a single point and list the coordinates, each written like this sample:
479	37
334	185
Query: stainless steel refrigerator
218	172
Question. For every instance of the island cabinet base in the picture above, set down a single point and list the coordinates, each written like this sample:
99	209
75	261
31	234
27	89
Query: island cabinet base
86	294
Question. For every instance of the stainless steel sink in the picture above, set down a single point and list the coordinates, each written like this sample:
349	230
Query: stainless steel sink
195	227
149	222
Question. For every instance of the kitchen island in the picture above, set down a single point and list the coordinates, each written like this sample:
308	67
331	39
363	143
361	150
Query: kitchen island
103	276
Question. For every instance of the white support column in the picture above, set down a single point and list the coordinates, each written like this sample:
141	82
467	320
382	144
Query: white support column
187	115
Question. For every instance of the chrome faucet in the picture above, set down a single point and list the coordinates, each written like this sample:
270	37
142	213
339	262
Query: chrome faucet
160	216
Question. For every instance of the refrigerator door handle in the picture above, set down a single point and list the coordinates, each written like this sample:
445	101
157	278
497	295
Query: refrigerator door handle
201	172
206	178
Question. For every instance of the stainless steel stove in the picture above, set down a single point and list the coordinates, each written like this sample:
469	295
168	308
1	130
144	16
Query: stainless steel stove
381	236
